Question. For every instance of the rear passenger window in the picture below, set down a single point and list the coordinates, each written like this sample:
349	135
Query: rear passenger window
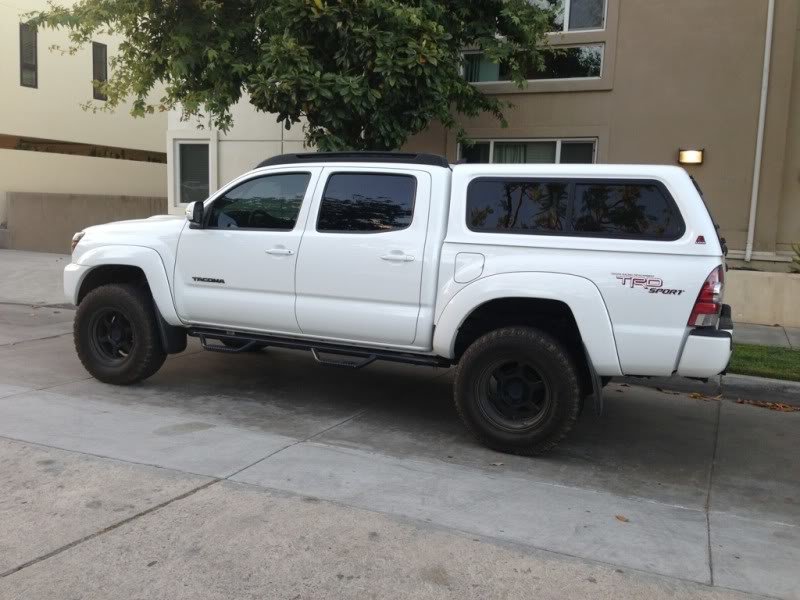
625	210
517	205
367	202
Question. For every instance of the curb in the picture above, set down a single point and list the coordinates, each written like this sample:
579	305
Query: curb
731	386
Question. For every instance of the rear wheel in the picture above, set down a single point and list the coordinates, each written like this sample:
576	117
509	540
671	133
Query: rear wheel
517	390
116	335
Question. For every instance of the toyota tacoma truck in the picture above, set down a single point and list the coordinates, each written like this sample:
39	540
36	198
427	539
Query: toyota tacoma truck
538	283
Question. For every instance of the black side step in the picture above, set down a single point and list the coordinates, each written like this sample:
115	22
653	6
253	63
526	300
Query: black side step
367	355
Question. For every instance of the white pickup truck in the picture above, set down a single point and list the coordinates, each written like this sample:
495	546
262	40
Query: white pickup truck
539	282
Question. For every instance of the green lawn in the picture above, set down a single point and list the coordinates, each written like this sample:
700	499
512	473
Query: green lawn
765	361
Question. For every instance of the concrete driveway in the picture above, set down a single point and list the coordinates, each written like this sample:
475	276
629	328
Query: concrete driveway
268	476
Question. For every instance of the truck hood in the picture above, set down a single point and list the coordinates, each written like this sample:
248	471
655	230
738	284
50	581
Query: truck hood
161	233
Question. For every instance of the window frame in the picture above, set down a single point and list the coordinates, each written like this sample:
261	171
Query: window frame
567	10
375	173
571	183
558	141
25	27
602	46
209	207
97	94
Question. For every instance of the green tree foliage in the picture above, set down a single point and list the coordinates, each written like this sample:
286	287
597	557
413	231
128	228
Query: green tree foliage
366	74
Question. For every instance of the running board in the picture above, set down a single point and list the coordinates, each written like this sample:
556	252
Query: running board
366	355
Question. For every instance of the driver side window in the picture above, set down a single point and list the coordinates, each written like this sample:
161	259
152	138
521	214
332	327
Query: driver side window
268	202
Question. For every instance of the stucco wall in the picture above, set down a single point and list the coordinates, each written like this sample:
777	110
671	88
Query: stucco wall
763	298
42	172
53	109
46	222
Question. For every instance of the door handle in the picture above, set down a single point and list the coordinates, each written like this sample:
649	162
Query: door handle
280	251
397	257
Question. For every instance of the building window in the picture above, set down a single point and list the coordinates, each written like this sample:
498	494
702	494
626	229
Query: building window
99	69
28	58
575	15
573	62
530	151
193	172
367	203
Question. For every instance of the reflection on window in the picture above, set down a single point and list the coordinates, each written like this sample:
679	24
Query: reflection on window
558	63
516	206
270	202
638	210
99	68
533	151
364	202
583	14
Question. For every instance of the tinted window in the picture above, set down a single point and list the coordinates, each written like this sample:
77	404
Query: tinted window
270	202
633	209
367	202
28	59
99	68
515	205
193	161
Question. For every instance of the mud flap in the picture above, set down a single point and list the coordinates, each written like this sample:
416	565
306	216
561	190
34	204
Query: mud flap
597	384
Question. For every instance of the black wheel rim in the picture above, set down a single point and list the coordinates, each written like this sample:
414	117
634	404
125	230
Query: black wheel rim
514	395
112	336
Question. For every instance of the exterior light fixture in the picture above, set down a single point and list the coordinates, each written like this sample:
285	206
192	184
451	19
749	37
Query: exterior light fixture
691	157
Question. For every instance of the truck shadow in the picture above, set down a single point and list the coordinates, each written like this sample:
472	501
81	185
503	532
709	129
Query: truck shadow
647	443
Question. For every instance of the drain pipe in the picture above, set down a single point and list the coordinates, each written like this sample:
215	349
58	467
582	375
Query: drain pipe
762	117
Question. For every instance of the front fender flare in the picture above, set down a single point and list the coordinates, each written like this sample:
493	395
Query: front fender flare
578	293
147	259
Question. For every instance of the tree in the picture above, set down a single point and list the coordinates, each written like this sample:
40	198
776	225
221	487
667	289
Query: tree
365	74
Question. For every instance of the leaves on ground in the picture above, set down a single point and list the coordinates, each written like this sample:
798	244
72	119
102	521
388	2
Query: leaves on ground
497	464
778	406
701	396
622	518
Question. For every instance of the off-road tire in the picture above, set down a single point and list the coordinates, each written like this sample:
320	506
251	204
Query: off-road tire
146	354
555	365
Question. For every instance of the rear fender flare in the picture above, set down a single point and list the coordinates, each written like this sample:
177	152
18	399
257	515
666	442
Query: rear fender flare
578	293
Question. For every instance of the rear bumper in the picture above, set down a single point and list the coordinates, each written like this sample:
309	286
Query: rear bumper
707	351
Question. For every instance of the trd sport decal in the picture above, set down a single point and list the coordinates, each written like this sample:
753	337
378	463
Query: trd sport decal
208	279
654	285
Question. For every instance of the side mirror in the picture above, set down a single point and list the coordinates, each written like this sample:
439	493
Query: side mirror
194	213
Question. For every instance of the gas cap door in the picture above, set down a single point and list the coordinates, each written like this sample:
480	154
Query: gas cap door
469	266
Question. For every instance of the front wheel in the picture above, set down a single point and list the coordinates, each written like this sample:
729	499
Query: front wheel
517	390
116	334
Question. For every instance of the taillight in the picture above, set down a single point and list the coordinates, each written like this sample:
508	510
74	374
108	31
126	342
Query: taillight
708	305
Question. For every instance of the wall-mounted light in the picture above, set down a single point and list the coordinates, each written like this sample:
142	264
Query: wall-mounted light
691	157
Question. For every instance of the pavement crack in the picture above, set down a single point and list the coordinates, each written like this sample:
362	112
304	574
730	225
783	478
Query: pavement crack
296	442
708	493
105	530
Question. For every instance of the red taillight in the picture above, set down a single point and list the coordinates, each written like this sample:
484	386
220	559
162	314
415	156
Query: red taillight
708	305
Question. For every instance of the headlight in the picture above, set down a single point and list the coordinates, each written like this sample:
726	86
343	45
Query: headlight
75	239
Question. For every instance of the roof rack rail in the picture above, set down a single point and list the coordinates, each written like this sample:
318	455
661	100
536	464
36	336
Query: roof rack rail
357	156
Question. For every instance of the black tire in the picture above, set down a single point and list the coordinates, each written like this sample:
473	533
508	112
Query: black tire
240	343
116	334
517	390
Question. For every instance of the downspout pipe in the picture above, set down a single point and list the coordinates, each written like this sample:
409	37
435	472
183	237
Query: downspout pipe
762	117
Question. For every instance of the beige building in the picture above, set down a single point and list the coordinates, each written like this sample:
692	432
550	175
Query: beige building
638	81
61	167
